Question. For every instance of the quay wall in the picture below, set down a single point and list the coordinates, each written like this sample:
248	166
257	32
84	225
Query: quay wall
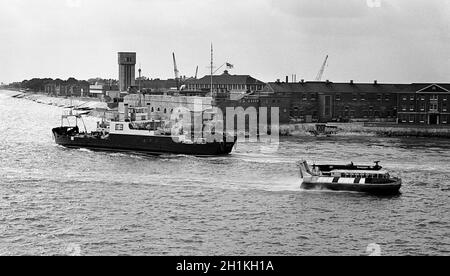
364	129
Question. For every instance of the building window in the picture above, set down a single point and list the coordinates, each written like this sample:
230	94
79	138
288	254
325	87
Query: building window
355	97
423	119
444	107
328	106
411	98
434	97
444	98
403	107
402	118
444	119
338	97
433	107
411	118
119	127
305	97
404	98
363	97
411	108
422	106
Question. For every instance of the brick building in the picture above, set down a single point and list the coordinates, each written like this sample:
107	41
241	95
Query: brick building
343	102
235	85
340	102
63	89
424	104
99	90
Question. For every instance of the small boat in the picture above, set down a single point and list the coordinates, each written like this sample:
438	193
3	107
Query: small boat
351	177
322	130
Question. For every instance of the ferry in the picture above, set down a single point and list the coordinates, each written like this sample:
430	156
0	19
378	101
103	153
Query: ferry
146	136
351	177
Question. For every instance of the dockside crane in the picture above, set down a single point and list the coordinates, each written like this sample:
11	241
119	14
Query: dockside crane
322	70
177	73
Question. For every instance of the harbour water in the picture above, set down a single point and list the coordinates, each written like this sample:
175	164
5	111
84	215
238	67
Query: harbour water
57	201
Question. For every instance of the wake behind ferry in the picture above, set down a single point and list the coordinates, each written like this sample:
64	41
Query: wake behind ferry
147	136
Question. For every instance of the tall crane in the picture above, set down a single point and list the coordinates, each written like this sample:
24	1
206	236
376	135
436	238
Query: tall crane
177	73
322	70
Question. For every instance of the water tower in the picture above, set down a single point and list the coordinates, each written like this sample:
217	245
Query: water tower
127	70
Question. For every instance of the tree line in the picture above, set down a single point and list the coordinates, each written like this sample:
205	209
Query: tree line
38	84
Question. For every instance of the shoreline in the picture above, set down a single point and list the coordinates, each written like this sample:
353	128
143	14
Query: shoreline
360	129
297	130
64	102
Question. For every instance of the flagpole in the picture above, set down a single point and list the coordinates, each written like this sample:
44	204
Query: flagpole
212	68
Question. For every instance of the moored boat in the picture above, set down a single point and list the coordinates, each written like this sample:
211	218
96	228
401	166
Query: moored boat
323	130
354	178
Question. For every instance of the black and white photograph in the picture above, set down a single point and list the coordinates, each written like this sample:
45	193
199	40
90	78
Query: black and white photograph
248	129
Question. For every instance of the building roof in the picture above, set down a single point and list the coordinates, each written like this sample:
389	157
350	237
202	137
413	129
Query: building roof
331	87
421	86
226	78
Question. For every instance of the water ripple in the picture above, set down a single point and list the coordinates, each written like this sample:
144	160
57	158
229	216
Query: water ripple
57	201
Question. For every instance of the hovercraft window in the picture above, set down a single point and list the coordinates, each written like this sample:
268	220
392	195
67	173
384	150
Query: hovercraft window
119	127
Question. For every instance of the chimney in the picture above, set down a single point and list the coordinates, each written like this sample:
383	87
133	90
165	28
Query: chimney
303	81
375	82
351	82
287	79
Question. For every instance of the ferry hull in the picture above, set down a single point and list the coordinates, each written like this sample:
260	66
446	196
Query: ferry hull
379	189
157	145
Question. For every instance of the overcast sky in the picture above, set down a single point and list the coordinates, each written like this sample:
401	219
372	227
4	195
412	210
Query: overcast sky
387	40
